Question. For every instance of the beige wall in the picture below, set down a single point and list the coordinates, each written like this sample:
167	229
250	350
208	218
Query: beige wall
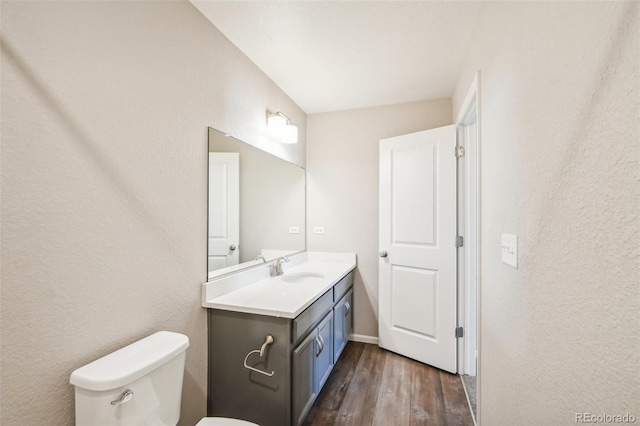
560	149
342	186
105	108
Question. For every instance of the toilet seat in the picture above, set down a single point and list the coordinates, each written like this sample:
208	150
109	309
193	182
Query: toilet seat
223	421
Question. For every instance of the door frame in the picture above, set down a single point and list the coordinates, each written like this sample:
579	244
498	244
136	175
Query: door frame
469	222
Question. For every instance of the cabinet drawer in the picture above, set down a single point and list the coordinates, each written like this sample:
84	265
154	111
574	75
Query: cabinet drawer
311	315
342	286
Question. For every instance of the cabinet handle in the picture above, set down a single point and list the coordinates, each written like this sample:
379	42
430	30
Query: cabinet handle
347	308
320	342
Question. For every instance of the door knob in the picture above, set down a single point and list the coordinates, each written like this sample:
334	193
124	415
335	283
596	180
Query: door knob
232	247
383	253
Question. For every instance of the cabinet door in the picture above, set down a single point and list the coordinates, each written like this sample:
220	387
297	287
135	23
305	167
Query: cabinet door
342	324
303	386
339	336
348	315
324	351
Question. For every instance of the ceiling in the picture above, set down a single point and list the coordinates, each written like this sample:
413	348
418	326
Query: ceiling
337	55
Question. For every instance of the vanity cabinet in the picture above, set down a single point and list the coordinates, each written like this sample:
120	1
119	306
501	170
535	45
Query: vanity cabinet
295	366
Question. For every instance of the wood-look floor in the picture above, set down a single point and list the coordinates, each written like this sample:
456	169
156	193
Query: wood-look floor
372	386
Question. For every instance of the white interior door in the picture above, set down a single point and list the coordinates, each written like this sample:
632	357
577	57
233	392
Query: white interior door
224	210
417	263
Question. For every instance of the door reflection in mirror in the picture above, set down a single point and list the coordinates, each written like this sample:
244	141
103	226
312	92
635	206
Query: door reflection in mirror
269	217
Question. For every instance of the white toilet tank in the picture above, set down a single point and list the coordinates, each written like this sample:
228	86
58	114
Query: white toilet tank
140	384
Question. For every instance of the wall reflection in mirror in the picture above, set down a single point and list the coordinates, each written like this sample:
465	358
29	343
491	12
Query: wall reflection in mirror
256	205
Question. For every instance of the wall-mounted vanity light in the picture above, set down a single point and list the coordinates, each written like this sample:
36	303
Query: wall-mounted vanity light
280	126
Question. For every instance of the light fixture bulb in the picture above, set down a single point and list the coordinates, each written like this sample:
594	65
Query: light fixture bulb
280	126
276	123
290	134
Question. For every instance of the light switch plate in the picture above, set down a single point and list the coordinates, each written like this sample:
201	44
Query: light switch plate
509	250
294	230
318	230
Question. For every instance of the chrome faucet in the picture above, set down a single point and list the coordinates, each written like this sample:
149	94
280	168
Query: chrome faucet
261	257
276	268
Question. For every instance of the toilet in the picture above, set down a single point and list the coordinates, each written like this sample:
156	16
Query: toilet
140	384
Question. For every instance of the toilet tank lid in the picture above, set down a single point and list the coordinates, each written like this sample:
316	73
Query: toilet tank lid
131	362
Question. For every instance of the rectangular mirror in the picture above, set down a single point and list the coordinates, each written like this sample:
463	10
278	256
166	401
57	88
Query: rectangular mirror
256	205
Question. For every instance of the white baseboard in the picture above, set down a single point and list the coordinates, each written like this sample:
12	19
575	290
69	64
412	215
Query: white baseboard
363	338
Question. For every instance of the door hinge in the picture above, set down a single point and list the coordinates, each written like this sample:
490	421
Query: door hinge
459	151
459	241
459	332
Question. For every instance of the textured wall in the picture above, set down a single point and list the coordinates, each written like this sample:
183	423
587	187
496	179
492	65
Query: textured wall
105	108
342	186
560	150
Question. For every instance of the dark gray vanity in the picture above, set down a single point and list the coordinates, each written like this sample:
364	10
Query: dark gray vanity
279	387
274	332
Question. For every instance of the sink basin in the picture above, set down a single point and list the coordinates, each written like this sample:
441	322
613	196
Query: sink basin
301	277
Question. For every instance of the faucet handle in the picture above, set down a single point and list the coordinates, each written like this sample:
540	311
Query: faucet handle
273	271
276	268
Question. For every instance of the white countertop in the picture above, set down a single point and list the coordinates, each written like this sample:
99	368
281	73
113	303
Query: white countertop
254	291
